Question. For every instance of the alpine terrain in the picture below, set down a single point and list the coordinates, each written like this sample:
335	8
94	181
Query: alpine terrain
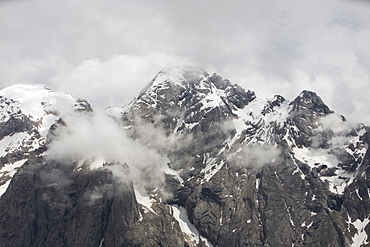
194	160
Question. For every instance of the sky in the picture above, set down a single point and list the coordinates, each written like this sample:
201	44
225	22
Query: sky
107	51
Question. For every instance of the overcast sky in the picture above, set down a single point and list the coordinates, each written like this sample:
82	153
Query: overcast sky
107	51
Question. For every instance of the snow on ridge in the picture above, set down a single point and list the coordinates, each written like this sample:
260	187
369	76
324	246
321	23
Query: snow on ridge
360	238
252	116
253	112
29	97
211	100
179	74
40	104
37	100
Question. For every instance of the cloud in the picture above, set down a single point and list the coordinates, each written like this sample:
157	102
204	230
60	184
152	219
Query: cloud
271	47
335	123
99	192
94	136
330	128
256	155
115	81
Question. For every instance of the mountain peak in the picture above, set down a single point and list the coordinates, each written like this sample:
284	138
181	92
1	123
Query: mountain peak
307	94
308	100
183	70
178	76
181	74
31	97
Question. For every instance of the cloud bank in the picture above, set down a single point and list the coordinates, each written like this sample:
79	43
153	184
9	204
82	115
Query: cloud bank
107	52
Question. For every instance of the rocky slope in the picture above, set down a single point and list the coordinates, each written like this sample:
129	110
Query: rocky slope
213	165
27	112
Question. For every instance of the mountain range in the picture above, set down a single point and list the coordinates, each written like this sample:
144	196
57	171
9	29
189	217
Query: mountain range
194	160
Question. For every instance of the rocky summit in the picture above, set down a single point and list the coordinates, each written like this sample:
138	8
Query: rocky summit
194	160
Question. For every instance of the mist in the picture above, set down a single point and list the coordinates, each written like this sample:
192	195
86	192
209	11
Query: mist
256	155
331	127
98	141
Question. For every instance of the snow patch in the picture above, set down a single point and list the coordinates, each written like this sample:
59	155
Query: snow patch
213	165
210	101
360	238
9	170
11	143
98	163
46	122
101	242
191	233
314	157
145	201
258	182
173	172
178	75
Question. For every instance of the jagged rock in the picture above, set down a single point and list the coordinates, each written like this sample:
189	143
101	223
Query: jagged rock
248	172
55	206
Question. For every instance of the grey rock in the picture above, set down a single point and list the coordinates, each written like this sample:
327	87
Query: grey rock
48	204
231	197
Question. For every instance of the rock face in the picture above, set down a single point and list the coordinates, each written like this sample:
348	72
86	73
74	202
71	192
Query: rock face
55	206
238	171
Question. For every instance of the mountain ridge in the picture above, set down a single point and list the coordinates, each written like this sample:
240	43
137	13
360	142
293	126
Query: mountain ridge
241	171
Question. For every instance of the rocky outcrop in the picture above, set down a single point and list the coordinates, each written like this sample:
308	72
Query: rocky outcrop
55	206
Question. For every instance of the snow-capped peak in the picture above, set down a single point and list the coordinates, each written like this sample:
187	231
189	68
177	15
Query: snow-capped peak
26	114
180	74
36	101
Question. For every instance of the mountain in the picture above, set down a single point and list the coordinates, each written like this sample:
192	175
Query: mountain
194	160
27	112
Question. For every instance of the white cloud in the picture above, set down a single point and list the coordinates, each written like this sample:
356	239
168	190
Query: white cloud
94	136
271	47
117	80
257	155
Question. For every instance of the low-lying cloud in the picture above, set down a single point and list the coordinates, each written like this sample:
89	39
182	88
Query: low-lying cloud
256	155
89	137
330	126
